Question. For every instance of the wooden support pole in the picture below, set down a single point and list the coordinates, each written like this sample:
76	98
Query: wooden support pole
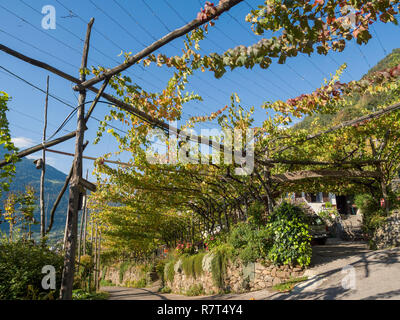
95	256
42	176
98	261
82	224
73	205
85	221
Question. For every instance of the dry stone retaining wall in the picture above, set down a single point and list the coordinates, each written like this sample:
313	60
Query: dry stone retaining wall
238	278
132	274
389	234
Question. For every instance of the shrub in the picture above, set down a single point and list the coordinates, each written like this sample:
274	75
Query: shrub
256	212
250	242
216	240
106	283
21	270
373	214
160	266
166	290
195	290
141	283
291	238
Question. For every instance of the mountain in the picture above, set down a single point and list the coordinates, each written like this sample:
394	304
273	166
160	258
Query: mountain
27	174
352	111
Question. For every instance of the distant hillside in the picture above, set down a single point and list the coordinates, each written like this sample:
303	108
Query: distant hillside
366	102
389	61
27	174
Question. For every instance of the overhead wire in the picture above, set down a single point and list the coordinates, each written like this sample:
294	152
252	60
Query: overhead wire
112	19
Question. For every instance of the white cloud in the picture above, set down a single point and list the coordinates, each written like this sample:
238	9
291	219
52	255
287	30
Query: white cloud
22	142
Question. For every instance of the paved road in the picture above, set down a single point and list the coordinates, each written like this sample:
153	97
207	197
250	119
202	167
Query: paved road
339	270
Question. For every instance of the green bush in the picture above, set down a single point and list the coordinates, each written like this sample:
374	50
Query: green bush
21	270
256	212
250	242
195	290
291	237
160	266
166	290
106	283
373	215
141	283
216	240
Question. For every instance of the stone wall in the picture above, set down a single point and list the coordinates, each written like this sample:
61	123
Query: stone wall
131	275
389	234
238	278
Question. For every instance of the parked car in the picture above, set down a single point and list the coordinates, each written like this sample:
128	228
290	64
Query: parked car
318	230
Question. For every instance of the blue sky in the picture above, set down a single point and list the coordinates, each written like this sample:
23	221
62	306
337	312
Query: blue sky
132	25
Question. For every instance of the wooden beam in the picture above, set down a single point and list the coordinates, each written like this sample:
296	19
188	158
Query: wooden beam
39	147
315	174
121	104
319	163
224	6
87	185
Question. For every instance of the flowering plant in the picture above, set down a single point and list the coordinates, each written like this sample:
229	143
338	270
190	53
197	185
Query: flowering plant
184	247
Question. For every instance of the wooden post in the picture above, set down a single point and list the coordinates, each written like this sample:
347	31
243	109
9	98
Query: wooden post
82	224
74	190
91	249
98	261
95	256
80	240
85	230
42	206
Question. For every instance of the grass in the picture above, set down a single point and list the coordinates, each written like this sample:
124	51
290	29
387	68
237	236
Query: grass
288	285
170	272
195	290
106	283
166	290
80	294
141	283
